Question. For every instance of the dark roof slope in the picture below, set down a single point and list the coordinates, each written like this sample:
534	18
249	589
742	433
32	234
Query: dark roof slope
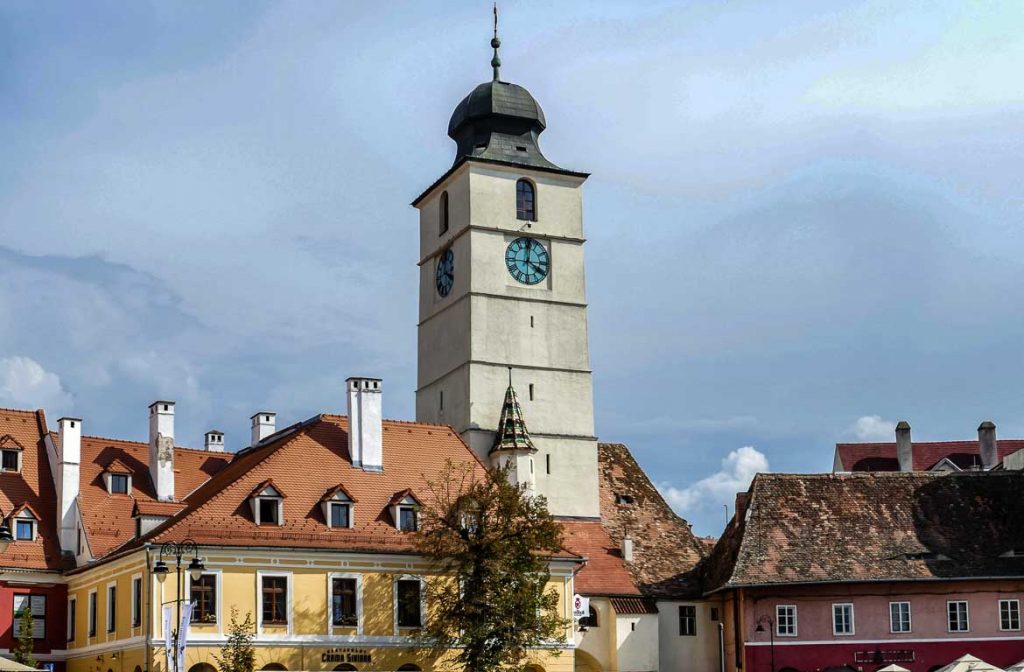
665	551
830	528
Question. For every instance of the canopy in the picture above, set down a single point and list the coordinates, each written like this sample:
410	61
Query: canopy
1016	667
969	663
893	668
8	665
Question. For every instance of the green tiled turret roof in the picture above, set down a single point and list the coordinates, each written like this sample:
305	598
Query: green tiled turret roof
512	434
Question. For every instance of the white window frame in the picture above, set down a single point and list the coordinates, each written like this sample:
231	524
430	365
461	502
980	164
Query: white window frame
408	502
423	603
289	607
853	627
16	620
111	615
109	478
92	615
24	516
778	621
256	508
339	499
967	615
910	618
359	601
217	601
19	452
1009	601
136	610
72	626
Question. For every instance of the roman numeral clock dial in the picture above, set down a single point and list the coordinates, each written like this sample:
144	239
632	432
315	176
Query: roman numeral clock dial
444	276
527	260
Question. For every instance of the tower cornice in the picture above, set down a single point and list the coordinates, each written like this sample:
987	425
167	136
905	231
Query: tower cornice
526	169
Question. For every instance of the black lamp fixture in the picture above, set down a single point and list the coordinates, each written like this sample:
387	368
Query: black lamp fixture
761	622
178	550
5	537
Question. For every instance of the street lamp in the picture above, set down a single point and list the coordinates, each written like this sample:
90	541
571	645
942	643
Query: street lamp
771	634
5	537
195	569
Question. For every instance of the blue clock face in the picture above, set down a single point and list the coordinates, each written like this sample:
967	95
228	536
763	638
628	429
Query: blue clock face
445	274
527	260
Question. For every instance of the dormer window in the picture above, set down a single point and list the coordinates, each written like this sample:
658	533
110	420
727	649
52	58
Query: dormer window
118	479
405	509
25	525
10	455
267	504
338	508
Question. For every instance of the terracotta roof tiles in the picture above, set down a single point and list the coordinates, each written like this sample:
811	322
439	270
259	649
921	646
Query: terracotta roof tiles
882	456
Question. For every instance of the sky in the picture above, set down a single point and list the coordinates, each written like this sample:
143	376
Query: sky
803	219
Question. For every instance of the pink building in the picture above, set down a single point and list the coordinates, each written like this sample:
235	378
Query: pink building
857	571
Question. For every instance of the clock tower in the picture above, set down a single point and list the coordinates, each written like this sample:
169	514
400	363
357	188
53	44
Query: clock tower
502	333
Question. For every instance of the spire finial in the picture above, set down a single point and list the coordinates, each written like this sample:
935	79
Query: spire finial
510	376
495	43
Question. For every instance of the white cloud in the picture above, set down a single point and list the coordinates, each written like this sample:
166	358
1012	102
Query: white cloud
873	428
738	468
26	384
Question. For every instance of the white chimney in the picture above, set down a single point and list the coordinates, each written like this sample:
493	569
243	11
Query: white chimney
987	445
263	425
627	548
214	441
365	423
904	446
161	449
66	475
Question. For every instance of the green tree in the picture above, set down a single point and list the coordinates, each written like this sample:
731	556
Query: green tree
23	650
494	540
238	654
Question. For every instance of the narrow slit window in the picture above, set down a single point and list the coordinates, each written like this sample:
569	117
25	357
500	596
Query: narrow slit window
526	201
547	462
531	391
443	214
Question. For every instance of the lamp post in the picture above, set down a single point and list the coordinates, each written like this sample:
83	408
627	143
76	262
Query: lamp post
5	538
771	634
195	569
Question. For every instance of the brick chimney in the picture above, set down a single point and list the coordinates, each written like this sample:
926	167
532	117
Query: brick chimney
987	445
904	446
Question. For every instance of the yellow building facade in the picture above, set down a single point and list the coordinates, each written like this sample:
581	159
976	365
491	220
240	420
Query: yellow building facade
119	627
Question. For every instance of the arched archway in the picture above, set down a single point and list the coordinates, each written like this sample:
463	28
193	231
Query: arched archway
534	668
274	667
585	662
789	669
345	667
202	667
409	667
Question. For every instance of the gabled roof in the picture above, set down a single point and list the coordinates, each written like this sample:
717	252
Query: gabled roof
32	487
262	487
108	520
338	489
842	528
927	454
217	512
116	466
401	496
150	508
665	551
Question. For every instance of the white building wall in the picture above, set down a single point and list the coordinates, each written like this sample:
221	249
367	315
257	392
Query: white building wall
698	653
636	640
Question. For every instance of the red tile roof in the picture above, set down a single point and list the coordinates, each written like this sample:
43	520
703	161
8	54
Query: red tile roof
881	526
634	605
882	456
604	572
108	518
33	487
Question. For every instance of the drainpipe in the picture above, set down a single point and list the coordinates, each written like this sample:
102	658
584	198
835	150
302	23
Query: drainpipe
721	646
147	620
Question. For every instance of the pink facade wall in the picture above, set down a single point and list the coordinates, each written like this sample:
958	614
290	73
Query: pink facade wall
929	642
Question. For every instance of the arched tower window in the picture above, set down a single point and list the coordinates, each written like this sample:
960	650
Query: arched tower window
526	201
442	227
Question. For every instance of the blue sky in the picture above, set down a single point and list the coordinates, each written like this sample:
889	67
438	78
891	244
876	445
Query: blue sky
803	220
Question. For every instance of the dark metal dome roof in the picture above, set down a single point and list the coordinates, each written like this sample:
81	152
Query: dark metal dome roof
497	98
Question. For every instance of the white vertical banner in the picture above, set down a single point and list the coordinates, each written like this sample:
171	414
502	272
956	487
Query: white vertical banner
580	607
186	618
168	644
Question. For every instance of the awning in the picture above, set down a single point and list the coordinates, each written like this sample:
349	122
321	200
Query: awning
969	663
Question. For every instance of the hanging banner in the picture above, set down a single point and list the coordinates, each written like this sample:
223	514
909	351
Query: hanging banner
186	618
168	644
580	607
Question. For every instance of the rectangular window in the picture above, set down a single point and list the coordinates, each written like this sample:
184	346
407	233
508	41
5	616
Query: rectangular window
407	519
687	620
1009	614
92	614
24	530
10	460
72	619
119	484
958	618
36	606
111	608
203	595
339	514
409	615
547	462
136	601
275	600
842	619
343	602
785	620
268	511
899	617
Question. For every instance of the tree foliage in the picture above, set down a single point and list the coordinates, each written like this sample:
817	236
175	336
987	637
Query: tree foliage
494	540
23	650
238	654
